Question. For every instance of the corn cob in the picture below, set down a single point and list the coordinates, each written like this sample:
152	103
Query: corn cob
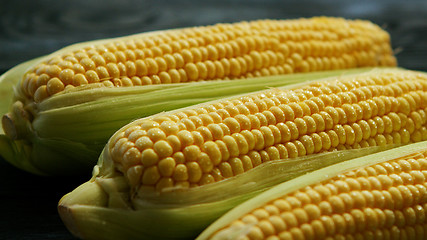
385	200
222	51
59	104
178	159
216	141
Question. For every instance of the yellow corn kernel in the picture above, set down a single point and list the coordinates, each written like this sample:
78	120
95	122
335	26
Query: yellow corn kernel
384	200
222	51
243	139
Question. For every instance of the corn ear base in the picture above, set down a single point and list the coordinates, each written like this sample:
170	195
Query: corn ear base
20	153
301	182
102	208
7	83
81	120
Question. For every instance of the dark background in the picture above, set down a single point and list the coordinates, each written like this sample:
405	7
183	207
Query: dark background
32	28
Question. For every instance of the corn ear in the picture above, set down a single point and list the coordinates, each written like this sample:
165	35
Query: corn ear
102	208
230	225
216	140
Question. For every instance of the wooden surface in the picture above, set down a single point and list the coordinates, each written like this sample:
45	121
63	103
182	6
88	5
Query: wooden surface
33	28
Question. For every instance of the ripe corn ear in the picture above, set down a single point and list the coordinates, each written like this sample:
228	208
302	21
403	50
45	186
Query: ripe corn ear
61	103
176	162
380	196
222	51
218	140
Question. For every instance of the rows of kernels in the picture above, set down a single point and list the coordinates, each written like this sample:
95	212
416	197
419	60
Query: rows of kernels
224	51
227	138
385	199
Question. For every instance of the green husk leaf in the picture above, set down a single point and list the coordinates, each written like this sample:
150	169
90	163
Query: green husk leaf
17	153
306	180
183	212
108	109
255	180
42	154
